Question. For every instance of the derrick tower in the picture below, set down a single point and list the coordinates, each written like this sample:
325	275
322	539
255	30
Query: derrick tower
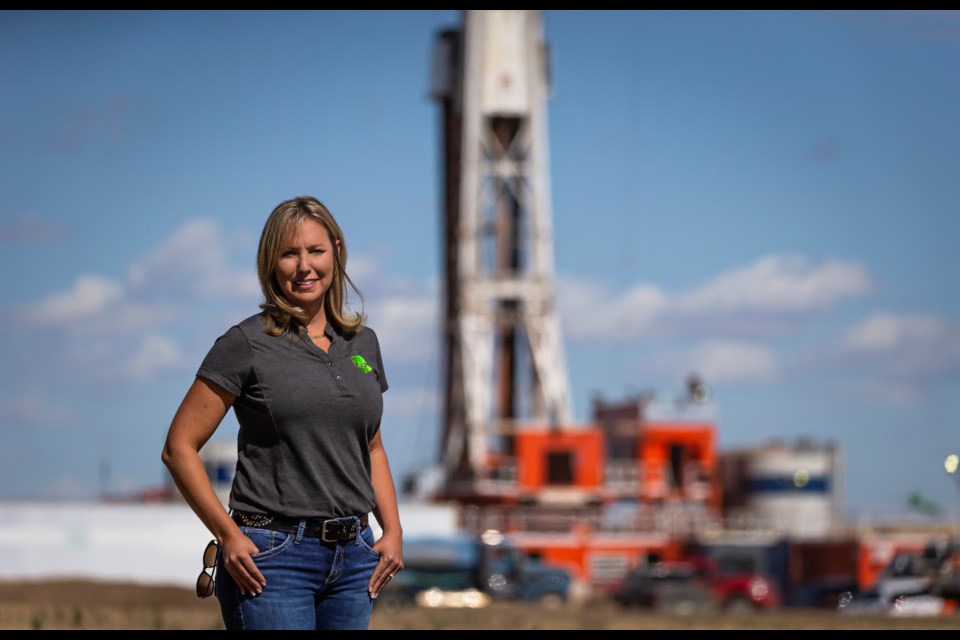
503	354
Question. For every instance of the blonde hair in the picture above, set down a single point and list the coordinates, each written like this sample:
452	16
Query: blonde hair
281	316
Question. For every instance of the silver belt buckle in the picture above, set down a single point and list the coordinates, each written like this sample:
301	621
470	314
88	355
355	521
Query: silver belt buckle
349	529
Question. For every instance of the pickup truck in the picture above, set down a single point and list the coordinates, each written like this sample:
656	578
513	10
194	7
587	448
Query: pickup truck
695	585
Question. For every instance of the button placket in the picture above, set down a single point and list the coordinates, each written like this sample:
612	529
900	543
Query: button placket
337	377
330	359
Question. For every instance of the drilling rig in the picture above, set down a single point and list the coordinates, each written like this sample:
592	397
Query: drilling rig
643	480
512	457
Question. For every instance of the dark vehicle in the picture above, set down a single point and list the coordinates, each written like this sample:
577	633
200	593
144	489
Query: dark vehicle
695	586
488	567
914	581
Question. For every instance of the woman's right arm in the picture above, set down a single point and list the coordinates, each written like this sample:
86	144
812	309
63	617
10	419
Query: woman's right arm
199	415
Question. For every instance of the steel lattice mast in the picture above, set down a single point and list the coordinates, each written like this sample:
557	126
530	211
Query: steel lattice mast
503	352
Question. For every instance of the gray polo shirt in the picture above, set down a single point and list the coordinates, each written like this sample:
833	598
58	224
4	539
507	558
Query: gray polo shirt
306	418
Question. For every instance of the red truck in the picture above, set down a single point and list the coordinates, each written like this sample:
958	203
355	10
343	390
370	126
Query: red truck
696	585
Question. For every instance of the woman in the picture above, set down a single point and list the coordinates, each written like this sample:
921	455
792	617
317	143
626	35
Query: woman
305	380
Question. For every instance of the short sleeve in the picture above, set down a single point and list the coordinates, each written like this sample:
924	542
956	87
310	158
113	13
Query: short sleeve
229	362
379	360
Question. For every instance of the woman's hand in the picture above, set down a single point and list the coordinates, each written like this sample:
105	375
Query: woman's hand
237	551
390	547
390	544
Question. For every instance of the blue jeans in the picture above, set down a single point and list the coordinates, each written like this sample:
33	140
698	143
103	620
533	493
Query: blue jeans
310	584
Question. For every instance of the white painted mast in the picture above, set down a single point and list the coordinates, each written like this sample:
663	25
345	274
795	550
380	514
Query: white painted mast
505	360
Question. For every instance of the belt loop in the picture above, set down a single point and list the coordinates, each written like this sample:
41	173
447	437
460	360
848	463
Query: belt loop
300	529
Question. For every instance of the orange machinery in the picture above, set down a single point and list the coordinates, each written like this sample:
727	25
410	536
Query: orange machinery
602	498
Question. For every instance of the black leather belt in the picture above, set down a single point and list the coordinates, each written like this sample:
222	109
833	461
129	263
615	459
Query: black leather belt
330	530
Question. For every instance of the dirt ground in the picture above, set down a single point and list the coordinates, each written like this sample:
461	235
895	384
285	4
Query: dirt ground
93	605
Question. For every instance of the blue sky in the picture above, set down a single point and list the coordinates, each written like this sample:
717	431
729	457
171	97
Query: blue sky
767	198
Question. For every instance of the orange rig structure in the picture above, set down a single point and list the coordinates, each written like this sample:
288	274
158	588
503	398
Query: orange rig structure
599	499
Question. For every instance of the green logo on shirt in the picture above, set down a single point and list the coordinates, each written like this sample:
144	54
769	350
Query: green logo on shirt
361	364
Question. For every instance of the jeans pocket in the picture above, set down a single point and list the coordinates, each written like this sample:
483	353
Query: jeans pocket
269	542
367	542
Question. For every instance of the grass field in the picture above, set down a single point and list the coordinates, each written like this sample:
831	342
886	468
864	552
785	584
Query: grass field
92	605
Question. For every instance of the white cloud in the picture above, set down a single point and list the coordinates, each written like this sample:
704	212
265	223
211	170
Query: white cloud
735	361
887	332
193	261
97	304
776	285
110	330
905	345
193	249
154	354
771	294
407	328
362	269
880	332
720	362
90	295
405	314
590	310
890	358
188	268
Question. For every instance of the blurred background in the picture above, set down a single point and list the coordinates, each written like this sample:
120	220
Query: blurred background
752	215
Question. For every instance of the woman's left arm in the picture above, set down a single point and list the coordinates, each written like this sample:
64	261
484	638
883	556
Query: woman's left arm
390	544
